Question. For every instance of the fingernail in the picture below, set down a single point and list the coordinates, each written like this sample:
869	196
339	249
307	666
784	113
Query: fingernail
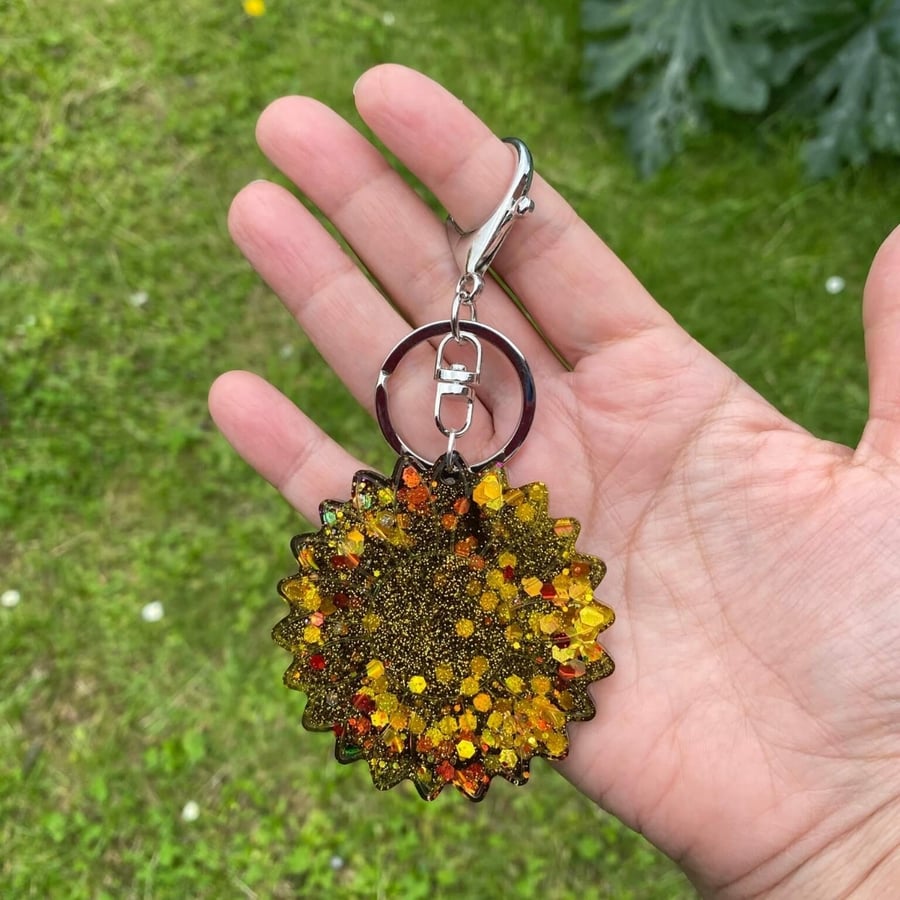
356	83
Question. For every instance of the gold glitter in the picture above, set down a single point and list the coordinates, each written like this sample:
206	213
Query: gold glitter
444	673
371	621
513	497
468	721
595	615
525	512
514	683
479	665
549	623
388	702
416	723
489	601
489	492
508	758
556	743
444	636
514	632
469	686
495	579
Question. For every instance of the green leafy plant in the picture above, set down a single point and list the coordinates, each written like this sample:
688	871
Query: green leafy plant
833	64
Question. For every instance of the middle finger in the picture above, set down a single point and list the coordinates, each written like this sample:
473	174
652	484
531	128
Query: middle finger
399	239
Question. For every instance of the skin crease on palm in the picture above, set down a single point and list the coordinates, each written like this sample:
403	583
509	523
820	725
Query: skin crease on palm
752	727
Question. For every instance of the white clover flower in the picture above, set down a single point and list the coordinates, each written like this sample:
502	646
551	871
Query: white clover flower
9	599
138	298
835	284
191	811
153	612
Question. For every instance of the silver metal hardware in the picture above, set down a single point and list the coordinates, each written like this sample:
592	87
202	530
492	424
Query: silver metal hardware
484	333
475	251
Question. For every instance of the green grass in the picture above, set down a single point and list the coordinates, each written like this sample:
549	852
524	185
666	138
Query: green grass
126	129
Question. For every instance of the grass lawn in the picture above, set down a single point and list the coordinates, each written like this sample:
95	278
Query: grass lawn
126	128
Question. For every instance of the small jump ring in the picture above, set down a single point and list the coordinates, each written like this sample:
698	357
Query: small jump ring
477	330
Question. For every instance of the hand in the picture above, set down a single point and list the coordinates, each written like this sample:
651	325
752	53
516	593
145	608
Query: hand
751	728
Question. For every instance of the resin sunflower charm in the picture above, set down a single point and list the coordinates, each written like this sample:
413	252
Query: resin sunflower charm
446	632
442	624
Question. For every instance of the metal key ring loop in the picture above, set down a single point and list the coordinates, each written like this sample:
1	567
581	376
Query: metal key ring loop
477	330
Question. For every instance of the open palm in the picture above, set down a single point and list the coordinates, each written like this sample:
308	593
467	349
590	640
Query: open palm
751	729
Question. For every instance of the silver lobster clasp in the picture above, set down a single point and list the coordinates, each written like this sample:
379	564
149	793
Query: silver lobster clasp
475	250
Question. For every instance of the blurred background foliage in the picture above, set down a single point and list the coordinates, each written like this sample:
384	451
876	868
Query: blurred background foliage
163	758
833	64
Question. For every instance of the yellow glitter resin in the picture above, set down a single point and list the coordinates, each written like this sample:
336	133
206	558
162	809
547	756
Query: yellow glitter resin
402	656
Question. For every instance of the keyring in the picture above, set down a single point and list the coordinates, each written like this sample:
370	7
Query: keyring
442	623
468	330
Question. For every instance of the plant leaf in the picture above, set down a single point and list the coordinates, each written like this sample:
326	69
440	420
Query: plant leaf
858	86
675	56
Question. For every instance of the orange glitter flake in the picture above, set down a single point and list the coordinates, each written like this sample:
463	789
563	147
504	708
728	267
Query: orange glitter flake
445	770
482	702
417	498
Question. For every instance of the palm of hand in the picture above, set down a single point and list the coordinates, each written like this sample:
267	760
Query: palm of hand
750	564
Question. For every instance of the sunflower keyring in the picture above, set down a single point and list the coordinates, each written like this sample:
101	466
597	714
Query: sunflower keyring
443	625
